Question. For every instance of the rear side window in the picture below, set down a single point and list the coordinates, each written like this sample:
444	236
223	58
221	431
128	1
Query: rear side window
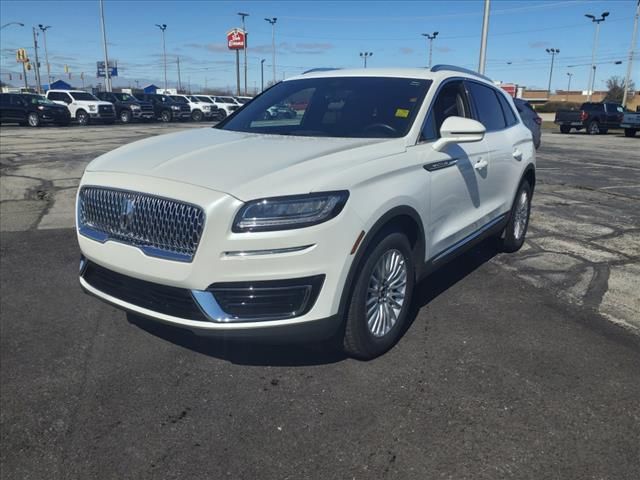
488	107
509	116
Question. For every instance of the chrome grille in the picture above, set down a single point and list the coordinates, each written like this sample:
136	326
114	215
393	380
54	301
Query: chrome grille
158	226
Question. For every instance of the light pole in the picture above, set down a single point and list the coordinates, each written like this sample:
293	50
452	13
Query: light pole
37	66
243	15
43	29
262	75
273	21
569	74
431	38
162	28
12	23
553	52
107	72
627	77
364	56
485	34
592	73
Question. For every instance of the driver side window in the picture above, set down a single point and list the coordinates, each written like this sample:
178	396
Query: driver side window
451	101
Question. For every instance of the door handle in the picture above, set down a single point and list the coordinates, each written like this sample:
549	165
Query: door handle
480	164
517	154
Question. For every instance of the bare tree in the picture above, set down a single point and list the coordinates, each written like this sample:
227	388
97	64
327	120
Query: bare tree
615	89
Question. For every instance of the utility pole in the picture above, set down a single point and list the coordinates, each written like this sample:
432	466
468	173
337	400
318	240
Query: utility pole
273	21
107	72
179	80
243	15
162	28
627	77
592	73
569	74
485	34
44	29
431	38
37	66
262	75
553	52
24	72
364	56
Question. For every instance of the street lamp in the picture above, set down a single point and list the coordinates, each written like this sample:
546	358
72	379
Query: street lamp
569	74
43	29
37	66
553	52
431	38
12	23
364	56
162	28
273	21
592	73
243	15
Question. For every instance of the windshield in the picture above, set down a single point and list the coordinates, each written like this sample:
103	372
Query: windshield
204	99
125	97
83	96
242	101
193	98
370	107
38	100
226	100
178	99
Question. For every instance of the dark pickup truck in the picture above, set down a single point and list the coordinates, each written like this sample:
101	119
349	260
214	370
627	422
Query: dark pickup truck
596	118
128	107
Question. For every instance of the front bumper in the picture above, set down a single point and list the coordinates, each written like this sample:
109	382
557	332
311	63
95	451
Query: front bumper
326	253
143	114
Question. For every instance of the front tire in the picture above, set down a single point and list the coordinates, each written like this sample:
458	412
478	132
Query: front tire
565	129
381	297
33	120
125	116
629	132
82	117
166	116
516	230
197	116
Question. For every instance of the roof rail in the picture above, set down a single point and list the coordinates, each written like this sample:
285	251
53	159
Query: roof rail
453	68
325	69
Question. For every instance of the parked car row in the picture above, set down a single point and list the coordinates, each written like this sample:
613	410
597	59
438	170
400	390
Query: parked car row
60	107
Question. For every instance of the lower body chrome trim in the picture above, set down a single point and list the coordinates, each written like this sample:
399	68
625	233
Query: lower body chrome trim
272	251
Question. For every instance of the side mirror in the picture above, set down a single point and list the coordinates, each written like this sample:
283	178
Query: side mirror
459	130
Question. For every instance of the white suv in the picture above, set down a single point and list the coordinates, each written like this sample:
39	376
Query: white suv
83	106
316	225
226	105
199	110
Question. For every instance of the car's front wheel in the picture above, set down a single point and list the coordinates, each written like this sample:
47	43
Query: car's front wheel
565	128
82	117
197	116
33	119
125	116
514	233
629	132
166	116
381	298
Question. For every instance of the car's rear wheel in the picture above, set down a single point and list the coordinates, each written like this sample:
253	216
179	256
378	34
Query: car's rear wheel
165	116
82	117
516	230
629	132
381	298
33	119
593	128
125	116
565	128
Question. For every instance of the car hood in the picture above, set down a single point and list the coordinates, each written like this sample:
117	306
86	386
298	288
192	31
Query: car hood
247	165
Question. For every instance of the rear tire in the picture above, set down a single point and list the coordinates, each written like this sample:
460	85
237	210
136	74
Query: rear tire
166	116
33	119
629	132
515	231
82	117
593	128
381	298
565	128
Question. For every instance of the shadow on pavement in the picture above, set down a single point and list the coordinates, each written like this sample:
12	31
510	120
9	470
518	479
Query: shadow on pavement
264	353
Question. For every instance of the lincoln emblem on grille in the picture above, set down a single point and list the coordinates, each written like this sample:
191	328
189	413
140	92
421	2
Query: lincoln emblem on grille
126	213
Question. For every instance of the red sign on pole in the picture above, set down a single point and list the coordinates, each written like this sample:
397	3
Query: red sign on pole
236	39
510	88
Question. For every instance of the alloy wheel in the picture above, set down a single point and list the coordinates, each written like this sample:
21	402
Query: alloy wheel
386	293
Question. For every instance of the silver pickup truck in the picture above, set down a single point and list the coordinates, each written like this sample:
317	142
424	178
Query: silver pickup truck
630	123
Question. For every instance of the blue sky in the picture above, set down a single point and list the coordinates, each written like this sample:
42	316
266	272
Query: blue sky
320	33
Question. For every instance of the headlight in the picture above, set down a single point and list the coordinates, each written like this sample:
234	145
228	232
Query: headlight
135	107
175	107
92	108
285	213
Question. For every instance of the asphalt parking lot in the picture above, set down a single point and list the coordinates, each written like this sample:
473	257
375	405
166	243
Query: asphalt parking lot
523	366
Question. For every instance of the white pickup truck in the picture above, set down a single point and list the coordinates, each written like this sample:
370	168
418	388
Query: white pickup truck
199	110
83	106
630	123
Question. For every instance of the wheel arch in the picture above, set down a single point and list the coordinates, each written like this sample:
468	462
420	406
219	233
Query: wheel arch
400	218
